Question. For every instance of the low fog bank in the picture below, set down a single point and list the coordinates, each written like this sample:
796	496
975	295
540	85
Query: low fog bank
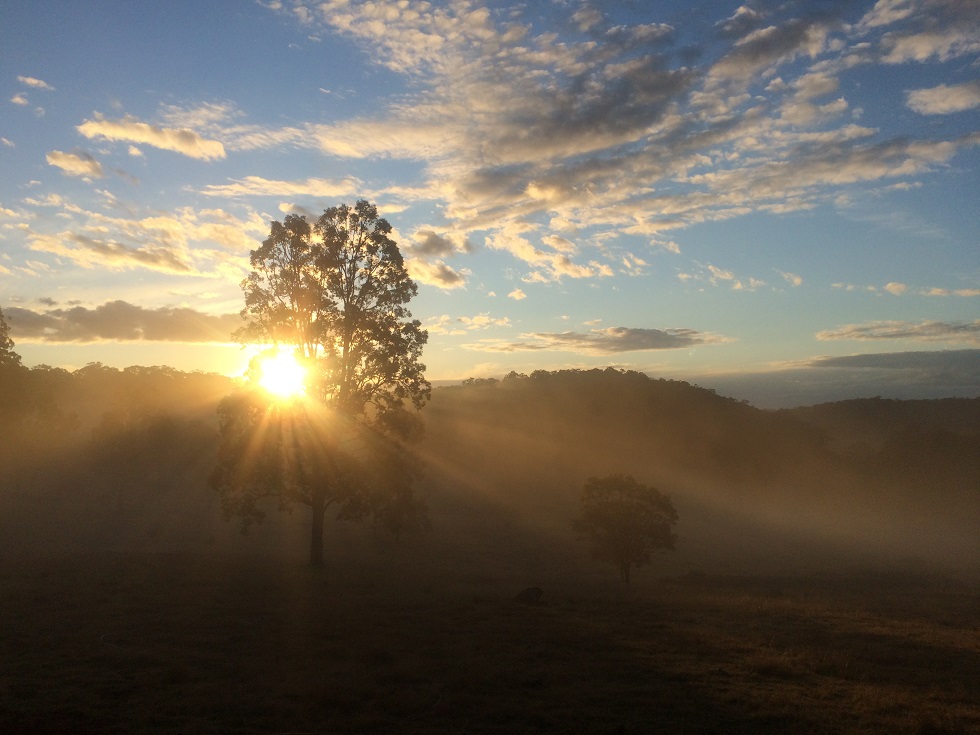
919	375
839	487
102	459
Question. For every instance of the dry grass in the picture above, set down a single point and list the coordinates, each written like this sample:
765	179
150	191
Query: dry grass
186	644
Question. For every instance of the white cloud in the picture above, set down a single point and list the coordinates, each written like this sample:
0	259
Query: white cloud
927	331
895	289
76	164
517	294
483	321
258	186
607	131
943	45
19	99
35	83
179	140
608	341
885	12
943	100
205	243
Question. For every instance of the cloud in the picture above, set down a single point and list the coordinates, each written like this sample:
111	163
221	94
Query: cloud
549	264
130	129
19	99
426	242
258	186
517	294
767	47
744	20
483	321
436	273
616	129
35	83
608	341
119	321
944	45
76	164
791	278
717	276
89	252
896	289
899	375
926	331
207	243
943	100
885	12
966	361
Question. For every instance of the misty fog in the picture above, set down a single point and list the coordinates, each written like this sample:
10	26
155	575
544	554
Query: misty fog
103	459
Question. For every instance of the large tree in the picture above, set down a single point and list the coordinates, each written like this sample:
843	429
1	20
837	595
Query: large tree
625	521
335	293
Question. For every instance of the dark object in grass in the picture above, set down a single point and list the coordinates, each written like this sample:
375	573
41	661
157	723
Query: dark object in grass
530	595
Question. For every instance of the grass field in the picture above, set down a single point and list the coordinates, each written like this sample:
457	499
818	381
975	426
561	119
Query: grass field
166	643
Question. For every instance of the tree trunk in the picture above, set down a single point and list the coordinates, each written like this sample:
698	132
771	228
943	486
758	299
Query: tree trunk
316	533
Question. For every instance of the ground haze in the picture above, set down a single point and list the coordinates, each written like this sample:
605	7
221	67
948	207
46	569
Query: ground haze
824	579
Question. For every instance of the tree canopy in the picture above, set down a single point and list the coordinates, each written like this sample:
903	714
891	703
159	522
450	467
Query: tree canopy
8	358
335	293
625	521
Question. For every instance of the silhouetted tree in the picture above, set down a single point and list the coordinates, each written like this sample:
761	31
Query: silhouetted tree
625	521
8	358
337	293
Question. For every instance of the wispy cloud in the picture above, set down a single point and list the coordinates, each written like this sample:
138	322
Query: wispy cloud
617	130
926	331
720	276
206	243
258	186
119	321
608	341
76	164
35	83
130	129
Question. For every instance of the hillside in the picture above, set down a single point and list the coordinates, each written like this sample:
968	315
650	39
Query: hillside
781	489
110	459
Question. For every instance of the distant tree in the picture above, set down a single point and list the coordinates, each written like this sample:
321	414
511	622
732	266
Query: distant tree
625	521
336	293
8	358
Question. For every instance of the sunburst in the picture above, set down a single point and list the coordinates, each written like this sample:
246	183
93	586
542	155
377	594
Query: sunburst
282	375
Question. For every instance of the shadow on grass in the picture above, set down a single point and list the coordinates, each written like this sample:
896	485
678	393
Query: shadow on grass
172	643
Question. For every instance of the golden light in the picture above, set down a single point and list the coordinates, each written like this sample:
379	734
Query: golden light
282	375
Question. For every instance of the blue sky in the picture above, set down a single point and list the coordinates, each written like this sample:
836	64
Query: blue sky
779	200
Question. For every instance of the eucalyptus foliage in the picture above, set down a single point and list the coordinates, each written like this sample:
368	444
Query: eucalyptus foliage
336	292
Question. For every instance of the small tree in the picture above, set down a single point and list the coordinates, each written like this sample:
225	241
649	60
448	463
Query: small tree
625	522
335	293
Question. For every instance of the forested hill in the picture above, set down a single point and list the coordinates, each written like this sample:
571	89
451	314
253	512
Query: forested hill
120	458
750	479
870	422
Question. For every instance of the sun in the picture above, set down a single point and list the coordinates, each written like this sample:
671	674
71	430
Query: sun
282	375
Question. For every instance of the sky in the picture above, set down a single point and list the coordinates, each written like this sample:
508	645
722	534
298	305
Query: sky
778	200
